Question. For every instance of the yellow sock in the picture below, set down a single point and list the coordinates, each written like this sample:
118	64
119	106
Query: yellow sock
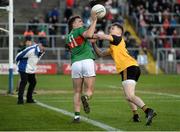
144	108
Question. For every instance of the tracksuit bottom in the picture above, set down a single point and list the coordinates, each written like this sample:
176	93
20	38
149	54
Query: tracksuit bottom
31	79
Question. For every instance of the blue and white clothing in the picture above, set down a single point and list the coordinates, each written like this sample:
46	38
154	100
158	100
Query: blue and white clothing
28	58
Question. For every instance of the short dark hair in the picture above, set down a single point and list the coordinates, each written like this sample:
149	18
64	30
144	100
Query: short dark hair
71	20
118	25
28	38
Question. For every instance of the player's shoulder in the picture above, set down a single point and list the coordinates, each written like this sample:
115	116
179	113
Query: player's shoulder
116	39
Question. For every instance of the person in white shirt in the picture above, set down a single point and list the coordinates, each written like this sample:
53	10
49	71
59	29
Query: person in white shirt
27	61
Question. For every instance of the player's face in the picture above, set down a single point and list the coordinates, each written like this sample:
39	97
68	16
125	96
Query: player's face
115	30
78	23
28	43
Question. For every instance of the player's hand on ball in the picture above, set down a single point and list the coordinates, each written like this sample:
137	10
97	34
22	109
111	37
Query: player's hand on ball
100	10
93	16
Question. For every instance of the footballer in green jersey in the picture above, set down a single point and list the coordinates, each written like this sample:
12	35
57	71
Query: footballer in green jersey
80	47
83	65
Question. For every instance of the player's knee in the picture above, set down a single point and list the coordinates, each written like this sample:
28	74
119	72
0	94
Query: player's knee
130	97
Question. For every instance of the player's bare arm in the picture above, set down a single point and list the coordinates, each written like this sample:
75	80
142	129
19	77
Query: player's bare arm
100	52
102	36
89	33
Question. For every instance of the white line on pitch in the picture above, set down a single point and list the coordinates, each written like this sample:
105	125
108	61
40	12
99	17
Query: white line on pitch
148	92
67	113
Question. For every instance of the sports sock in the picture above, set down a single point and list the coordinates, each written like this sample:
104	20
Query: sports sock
135	112
144	108
77	115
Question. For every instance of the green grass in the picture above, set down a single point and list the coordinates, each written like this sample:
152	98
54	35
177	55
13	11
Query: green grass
33	117
107	105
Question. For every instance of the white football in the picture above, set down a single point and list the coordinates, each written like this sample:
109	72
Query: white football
100	10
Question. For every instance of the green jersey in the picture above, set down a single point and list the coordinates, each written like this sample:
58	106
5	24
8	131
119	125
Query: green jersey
80	47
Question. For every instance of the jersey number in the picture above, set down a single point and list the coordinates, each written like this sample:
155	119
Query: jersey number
72	41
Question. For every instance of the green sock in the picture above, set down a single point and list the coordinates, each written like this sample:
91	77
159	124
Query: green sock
76	113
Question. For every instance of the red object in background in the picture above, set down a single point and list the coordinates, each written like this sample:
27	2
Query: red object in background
46	69
70	3
100	68
109	16
34	5
167	44
178	1
166	24
66	68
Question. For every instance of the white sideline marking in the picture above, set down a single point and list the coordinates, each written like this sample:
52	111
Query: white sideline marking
161	94
117	100
148	92
93	122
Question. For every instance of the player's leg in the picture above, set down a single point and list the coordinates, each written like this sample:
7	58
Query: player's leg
32	84
88	92
129	84
134	101
129	91
89	80
77	80
77	86
22	85
134	111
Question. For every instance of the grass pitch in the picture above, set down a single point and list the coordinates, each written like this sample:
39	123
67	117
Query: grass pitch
108	106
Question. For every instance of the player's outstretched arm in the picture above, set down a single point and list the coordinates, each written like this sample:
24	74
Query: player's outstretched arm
100	52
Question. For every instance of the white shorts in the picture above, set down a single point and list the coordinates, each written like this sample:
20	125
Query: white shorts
83	68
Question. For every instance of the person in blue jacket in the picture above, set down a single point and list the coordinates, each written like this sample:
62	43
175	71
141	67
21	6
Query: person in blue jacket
27	60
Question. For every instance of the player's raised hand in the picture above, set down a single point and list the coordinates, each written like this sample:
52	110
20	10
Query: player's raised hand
93	16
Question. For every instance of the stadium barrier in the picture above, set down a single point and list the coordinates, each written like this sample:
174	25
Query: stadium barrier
168	60
61	58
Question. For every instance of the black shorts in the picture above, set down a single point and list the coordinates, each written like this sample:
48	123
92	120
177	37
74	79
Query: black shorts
132	72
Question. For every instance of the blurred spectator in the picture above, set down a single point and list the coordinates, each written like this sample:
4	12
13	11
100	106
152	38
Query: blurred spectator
159	43
167	44
118	18
109	15
68	12
166	24
33	27
144	44
86	15
55	12
55	21
174	38
42	26
42	38
63	28
28	33
142	24
142	58
162	33
52	31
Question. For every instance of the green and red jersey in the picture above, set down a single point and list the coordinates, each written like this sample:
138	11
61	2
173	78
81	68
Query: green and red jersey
80	47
